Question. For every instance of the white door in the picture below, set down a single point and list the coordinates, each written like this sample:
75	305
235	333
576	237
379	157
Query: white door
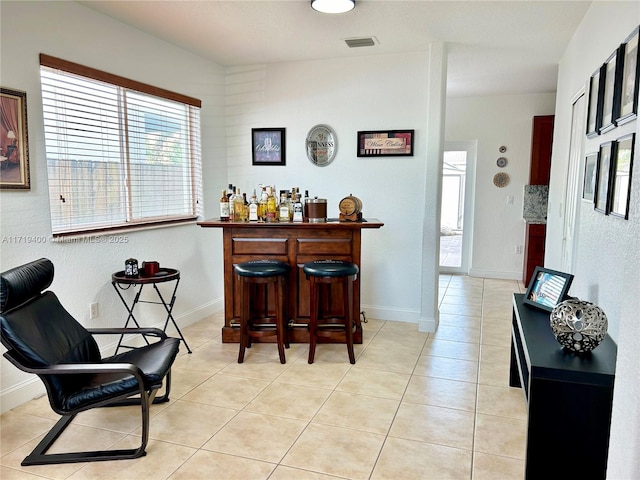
572	191
456	224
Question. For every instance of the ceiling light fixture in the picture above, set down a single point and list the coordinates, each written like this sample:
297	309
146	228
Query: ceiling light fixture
333	6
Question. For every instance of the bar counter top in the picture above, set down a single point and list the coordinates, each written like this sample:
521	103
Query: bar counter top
331	222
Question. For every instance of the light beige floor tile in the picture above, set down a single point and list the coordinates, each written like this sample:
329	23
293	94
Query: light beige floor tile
18	429
289	401
501	401
497	311
494	374
451	349
260	437
187	423
441	392
431	424
256	365
160	461
457	309
206	465
372	326
449	368
345	453
461	321
11	474
318	374
227	391
467	300
395	342
39	407
500	436
379	359
119	419
402	328
498	334
359	412
495	353
210	357
493	467
456	334
287	473
183	381
375	383
411	460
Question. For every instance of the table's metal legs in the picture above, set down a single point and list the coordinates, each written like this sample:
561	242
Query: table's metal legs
167	306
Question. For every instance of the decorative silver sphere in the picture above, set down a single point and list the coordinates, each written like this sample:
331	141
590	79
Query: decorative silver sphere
578	325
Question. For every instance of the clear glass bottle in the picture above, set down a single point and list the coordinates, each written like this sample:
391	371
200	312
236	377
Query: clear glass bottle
284	207
238	207
224	207
253	207
262	205
272	206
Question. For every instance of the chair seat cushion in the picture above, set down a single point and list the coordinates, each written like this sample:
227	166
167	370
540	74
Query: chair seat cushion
330	268
153	360
262	268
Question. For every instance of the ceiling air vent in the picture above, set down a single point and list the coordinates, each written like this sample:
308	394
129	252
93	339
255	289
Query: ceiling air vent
360	42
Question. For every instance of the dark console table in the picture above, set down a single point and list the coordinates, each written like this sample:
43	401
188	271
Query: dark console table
568	397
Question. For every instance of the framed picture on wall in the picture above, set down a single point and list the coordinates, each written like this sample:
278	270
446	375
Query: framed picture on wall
268	146
14	149
385	143
621	169
589	181
630	79
594	118
601	194
611	95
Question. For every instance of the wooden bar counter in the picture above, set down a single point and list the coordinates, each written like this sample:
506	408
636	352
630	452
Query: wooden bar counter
296	244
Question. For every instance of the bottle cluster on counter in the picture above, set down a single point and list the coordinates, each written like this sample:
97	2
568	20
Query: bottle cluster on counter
264	205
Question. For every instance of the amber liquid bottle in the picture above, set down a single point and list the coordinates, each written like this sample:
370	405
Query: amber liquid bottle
224	207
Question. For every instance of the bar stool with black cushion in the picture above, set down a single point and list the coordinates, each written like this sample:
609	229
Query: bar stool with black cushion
328	272
262	272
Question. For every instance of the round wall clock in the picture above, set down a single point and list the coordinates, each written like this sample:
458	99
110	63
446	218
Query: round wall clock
322	145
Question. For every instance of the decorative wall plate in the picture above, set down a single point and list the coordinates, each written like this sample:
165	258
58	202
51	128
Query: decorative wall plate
322	145
502	149
501	179
501	162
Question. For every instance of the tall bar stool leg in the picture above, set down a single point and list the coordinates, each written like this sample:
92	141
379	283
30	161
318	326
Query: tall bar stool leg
348	316
280	333
244	320
314	307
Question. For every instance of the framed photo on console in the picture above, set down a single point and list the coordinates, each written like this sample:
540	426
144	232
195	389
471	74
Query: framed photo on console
547	288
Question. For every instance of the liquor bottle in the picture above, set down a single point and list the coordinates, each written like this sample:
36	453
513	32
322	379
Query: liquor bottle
284	207
297	209
253	207
238	207
224	207
245	208
305	206
262	205
231	193
272	206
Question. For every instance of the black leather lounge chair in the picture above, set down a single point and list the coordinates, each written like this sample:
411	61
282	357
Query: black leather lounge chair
41	337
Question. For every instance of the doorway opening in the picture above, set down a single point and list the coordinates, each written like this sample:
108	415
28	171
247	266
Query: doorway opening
456	206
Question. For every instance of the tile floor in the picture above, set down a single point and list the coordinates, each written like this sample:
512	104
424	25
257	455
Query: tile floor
415	406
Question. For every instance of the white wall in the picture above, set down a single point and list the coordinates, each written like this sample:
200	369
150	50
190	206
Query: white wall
83	270
495	121
607	267
360	93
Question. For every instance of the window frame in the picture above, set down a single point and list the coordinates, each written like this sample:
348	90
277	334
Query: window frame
195	162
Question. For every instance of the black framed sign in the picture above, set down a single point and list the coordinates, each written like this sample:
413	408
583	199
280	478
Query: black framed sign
589	181
547	288
630	79
621	169
386	143
268	146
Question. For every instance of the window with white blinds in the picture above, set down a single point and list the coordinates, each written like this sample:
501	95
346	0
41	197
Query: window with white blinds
119	153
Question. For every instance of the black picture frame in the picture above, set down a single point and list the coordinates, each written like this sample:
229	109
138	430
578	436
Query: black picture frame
589	180
385	143
630	78
268	146
621	171
596	93
612	87
547	288
603	178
